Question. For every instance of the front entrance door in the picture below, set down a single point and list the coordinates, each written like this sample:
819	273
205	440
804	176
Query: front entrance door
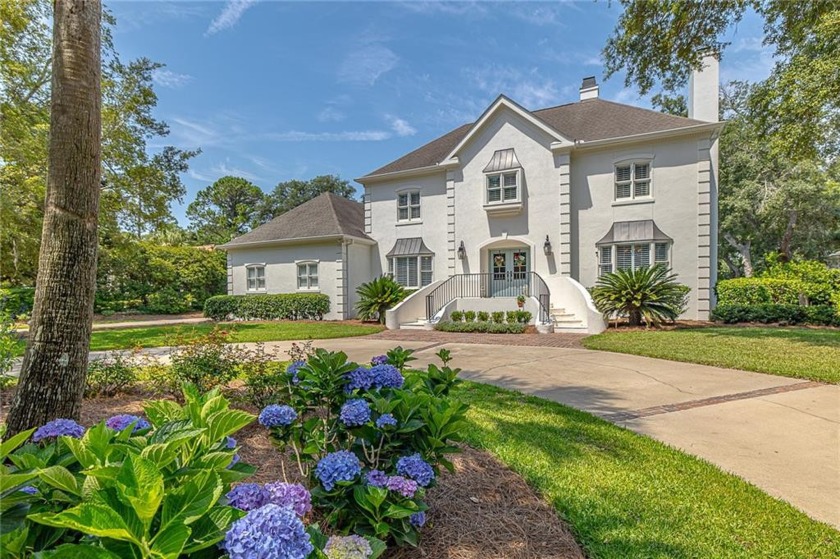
509	272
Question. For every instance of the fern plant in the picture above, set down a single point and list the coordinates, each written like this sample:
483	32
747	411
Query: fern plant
651	294
377	296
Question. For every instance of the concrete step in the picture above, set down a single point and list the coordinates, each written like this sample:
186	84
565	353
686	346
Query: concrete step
556	310
562	315
420	324
567	321
563	329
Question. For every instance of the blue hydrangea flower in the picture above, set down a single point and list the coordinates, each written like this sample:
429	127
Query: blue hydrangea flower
379	360
347	547
234	461
386	376
376	478
58	428
120	422
247	496
386	420
402	485
230	442
416	468
355	412
359	379
292	495
337	466
269	532
28	489
418	519
293	368
276	415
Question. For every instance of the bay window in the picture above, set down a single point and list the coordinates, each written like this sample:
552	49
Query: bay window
632	256
411	271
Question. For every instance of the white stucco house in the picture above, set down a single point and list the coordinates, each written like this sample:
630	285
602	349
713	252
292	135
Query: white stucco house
530	202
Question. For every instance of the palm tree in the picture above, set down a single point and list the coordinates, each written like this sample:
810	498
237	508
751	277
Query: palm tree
651	294
55	364
377	296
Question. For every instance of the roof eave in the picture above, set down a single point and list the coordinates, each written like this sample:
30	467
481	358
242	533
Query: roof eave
713	127
297	240
428	170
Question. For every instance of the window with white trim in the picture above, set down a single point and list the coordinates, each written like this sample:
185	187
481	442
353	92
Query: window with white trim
503	187
307	275
408	206
632	180
411	271
256	277
631	256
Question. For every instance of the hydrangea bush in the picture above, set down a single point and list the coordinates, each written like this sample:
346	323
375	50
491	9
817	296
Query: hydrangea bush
369	438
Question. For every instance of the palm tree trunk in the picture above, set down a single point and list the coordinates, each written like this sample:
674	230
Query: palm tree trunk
635	318
54	366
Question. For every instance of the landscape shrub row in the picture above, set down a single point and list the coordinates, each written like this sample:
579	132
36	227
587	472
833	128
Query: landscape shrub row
481	327
497	317
784	284
823	315
283	306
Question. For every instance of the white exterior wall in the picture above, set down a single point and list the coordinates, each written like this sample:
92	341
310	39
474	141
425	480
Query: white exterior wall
359	264
281	270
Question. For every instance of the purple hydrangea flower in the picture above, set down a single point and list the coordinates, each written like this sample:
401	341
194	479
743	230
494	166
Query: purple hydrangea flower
234	461
230	442
418	519
292	495
337	466
247	496
120	422
359	379
386	376
347	547
293	368
269	532
386	420
416	468
276	415
355	412
58	428
379	360
28	489
377	478
402	485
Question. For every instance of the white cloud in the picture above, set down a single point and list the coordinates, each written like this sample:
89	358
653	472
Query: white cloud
400	126
538	14
527	87
435	7
627	96
331	114
167	78
229	15
223	169
365	65
195	134
200	176
346	136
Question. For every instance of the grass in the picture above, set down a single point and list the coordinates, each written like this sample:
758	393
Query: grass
157	336
807	353
629	496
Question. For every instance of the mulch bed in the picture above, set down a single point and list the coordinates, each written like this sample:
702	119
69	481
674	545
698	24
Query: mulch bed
483	511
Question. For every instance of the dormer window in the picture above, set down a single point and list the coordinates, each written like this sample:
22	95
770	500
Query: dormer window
408	206
632	180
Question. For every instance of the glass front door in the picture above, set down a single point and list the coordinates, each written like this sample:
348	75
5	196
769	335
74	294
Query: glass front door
509	272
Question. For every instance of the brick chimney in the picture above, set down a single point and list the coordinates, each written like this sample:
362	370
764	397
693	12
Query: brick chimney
588	89
703	85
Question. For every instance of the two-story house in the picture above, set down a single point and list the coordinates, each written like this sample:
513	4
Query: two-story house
536	203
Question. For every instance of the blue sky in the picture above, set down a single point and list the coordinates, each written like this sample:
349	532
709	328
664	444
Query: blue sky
272	91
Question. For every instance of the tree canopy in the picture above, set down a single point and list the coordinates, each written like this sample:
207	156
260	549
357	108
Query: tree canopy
226	209
291	194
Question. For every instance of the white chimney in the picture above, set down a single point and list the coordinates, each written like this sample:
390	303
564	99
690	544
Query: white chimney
703	87
588	89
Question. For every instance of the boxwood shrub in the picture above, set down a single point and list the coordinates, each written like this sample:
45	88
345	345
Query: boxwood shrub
283	306
759	291
824	315
481	327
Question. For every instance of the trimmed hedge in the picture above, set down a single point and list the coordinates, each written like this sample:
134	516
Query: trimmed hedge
481	327
283	306
16	301
824	315
759	291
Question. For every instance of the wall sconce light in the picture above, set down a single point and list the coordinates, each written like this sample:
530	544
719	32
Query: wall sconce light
462	251
547	246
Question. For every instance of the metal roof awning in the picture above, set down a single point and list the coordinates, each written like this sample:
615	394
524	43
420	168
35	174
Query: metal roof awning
502	160
632	231
410	247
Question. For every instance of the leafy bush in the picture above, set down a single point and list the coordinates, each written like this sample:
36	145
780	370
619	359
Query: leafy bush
111	375
759	291
368	439
469	316
498	317
16	301
8	343
127	487
770	313
206	361
263	377
377	296
483	327
651	294
483	316
456	316
818	282
512	317
283	306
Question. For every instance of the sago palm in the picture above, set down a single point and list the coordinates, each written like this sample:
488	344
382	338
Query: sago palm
651	294
377	296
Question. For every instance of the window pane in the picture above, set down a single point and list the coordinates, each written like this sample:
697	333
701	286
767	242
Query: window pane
642	257
415	212
391	266
260	283
606	255
661	253
415	198
642	188
403	213
412	272
426	263
252	283
510	179
425	278
493	182
622	190
313	281
642	171
510	193
313	269
605	269
402	200
402	271
494	195
624	257
622	173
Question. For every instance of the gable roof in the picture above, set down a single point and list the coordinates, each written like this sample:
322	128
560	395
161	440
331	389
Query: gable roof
582	121
326	215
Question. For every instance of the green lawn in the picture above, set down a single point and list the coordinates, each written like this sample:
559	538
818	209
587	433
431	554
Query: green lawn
629	496
156	336
807	353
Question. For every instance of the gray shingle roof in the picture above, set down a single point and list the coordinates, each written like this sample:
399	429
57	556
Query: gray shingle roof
589	120
324	216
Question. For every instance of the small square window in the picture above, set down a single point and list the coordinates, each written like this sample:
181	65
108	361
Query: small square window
632	181
307	274
408	206
255	278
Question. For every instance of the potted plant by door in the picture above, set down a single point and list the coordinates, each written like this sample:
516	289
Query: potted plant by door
520	301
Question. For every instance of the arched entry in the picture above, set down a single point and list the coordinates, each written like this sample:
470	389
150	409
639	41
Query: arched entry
507	263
